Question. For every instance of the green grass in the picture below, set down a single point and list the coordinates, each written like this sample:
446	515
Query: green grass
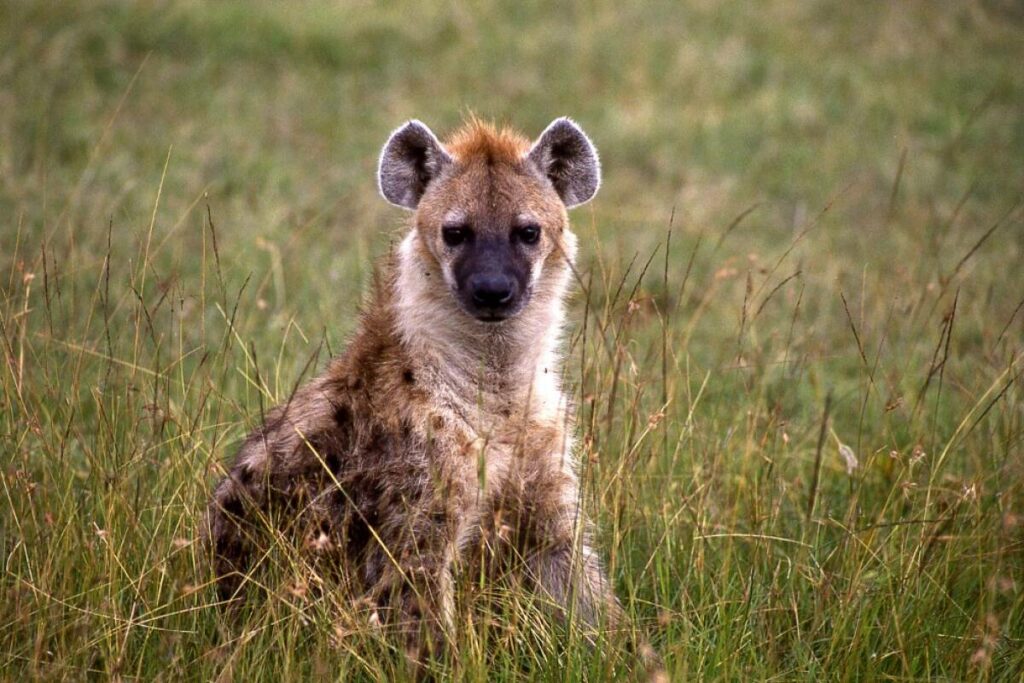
829	196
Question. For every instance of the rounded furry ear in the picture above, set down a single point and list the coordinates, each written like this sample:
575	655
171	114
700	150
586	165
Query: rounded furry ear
412	157
565	155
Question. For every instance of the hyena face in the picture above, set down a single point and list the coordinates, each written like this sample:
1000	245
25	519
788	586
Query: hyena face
491	208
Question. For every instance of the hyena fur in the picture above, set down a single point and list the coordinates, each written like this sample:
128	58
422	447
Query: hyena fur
442	431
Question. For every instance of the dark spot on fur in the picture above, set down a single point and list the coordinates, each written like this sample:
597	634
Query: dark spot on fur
232	506
343	416
356	383
244	475
333	461
437	422
408	377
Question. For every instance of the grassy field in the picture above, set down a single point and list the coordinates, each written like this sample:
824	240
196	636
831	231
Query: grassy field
798	369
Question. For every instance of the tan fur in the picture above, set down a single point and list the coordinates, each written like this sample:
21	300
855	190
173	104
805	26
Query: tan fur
481	139
436	439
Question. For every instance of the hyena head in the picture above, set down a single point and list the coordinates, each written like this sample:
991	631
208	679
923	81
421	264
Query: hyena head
490	207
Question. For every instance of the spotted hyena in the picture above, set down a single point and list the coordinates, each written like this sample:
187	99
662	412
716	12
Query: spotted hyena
442	434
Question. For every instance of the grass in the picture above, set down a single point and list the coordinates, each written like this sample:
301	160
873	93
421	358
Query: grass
808	244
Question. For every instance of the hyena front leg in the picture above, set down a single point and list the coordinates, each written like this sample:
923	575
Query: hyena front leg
569	574
554	536
413	586
566	570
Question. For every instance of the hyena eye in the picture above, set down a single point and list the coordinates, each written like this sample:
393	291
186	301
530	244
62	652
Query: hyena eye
527	234
454	235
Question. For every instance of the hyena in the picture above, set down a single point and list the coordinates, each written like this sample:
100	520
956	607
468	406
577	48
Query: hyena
442	431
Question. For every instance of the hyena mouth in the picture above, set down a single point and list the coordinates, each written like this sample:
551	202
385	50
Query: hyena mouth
492	317
490	311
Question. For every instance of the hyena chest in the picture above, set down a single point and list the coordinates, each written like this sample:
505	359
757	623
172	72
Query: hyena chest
450	491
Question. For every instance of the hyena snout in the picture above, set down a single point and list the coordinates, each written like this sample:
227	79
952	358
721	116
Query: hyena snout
492	282
492	291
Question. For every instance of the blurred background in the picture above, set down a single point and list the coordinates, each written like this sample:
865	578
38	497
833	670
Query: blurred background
827	198
274	113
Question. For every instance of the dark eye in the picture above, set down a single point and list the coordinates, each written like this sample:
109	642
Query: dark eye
528	234
454	235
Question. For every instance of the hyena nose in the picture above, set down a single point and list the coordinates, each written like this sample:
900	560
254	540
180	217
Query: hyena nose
492	290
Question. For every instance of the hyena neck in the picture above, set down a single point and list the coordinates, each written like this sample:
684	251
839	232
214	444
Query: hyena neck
502	369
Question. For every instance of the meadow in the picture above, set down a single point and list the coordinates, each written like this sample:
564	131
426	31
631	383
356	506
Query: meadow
795	348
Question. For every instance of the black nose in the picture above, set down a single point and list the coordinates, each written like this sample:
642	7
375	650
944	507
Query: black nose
492	290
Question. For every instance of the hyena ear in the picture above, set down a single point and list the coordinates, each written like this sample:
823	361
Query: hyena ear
412	157
565	155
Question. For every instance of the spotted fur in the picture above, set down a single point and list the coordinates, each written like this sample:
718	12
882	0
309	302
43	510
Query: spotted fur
436	440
